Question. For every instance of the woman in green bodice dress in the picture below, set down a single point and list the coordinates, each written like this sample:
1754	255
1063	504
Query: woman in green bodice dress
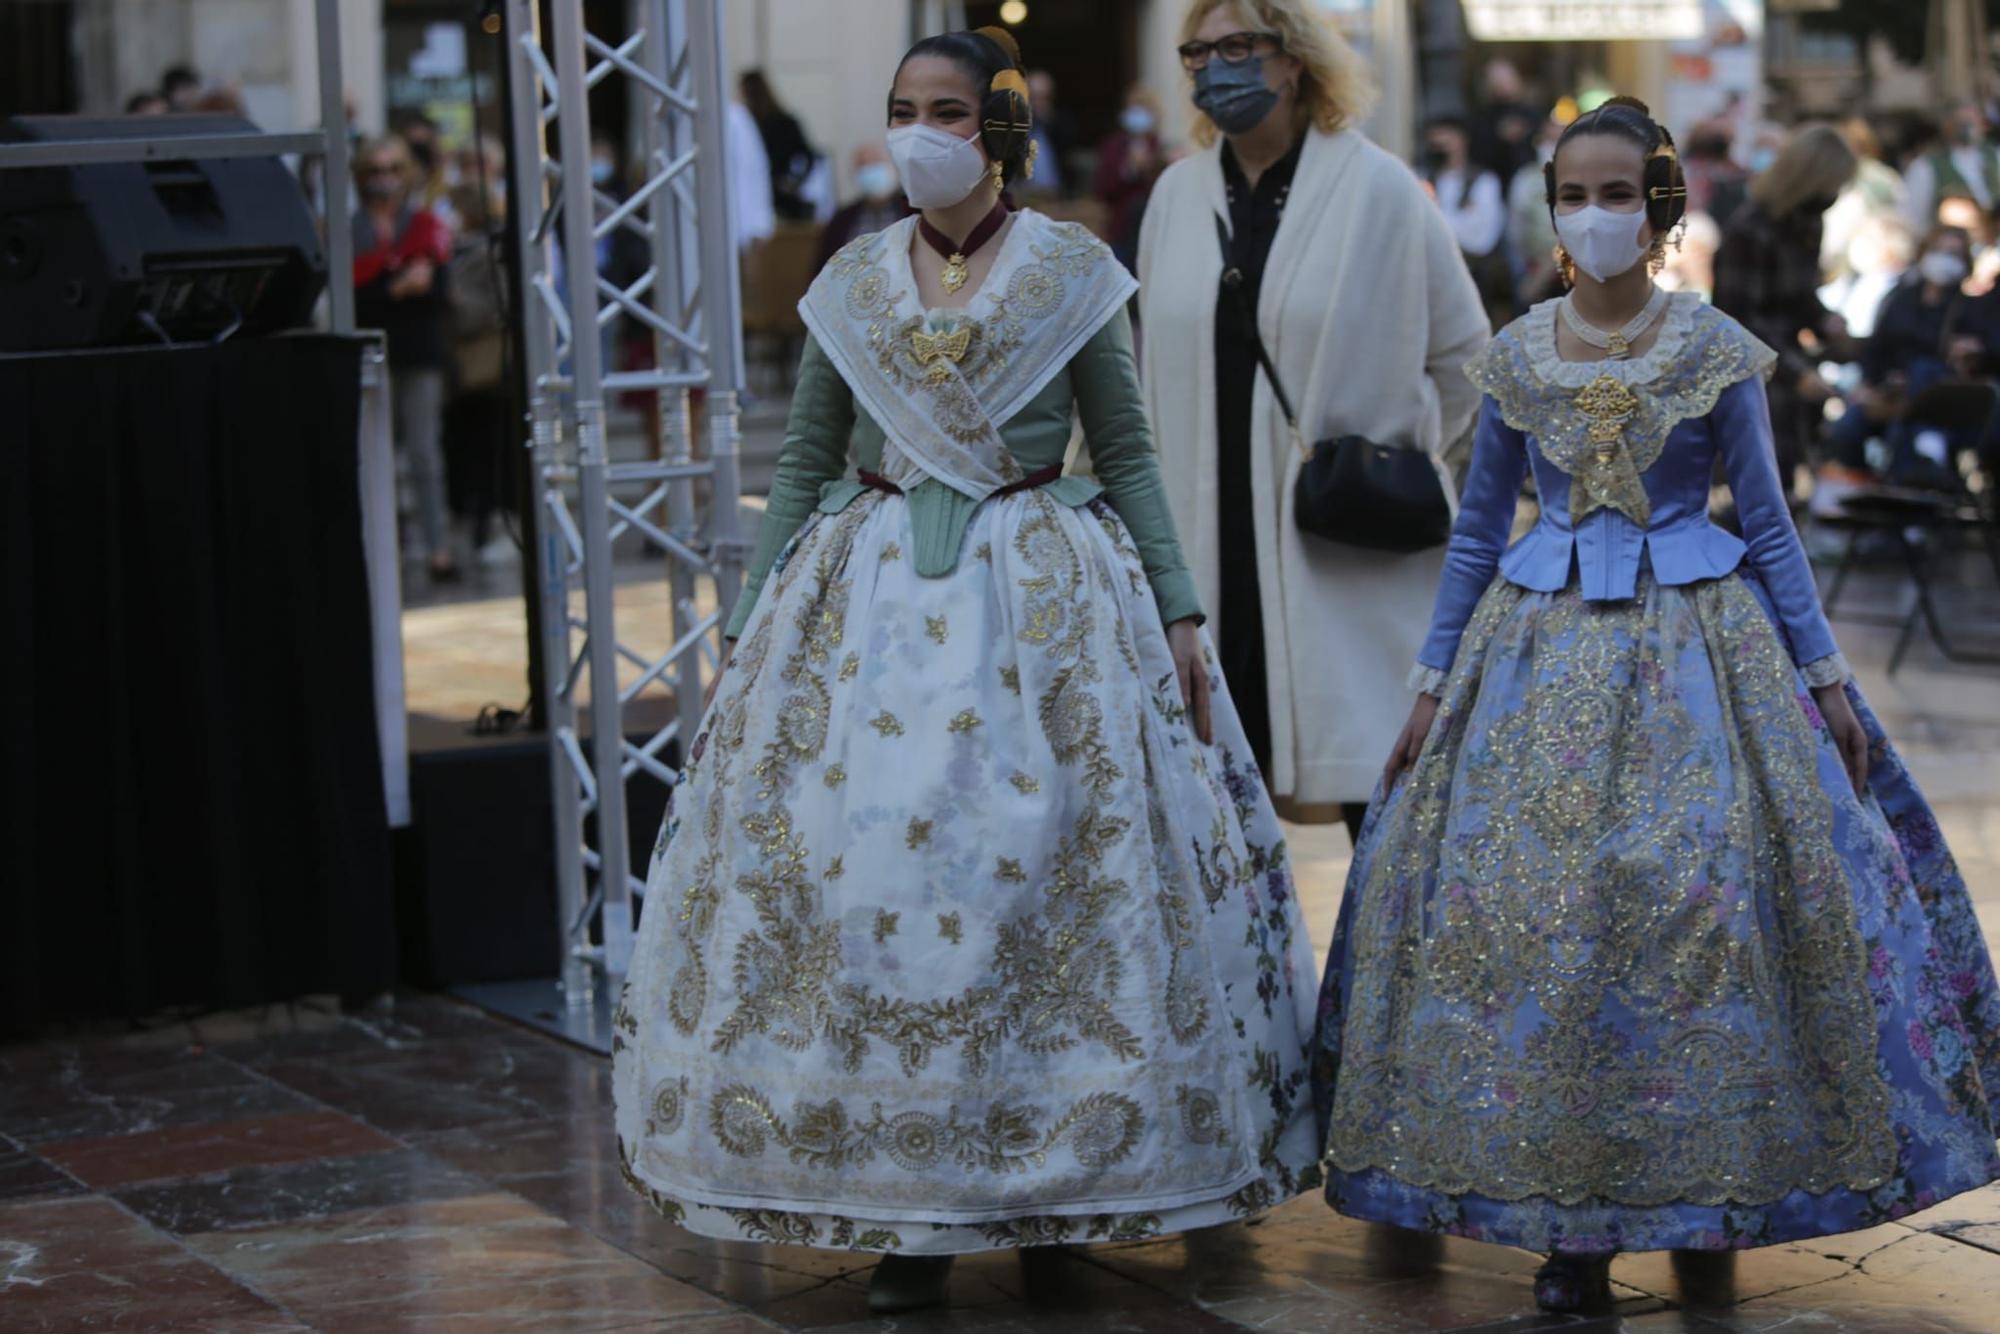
971	926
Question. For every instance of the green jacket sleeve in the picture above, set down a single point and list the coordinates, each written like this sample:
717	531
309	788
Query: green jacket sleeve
815	453
1120	439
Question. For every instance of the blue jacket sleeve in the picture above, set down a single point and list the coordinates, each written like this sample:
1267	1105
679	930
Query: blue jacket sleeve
1485	519
1741	421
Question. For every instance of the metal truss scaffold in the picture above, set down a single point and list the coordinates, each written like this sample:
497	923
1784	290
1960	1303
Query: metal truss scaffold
683	504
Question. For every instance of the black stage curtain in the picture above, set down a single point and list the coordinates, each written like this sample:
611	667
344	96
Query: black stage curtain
193	802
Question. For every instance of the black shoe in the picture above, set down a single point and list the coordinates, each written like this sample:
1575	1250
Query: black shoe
1573	1283
1400	1252
908	1283
1707	1278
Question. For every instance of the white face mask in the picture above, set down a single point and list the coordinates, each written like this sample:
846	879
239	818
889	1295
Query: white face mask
1603	244
938	168
1941	268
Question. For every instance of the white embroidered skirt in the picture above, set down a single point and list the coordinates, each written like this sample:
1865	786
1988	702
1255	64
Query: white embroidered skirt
955	937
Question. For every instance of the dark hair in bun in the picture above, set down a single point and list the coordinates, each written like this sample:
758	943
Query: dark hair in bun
991	58
1629	118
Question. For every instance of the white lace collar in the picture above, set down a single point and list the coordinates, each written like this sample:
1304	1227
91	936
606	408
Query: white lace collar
1537	332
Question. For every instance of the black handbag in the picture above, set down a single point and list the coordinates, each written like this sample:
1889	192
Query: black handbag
1350	489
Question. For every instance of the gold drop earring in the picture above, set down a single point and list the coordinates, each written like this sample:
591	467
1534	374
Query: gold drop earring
999	176
1565	266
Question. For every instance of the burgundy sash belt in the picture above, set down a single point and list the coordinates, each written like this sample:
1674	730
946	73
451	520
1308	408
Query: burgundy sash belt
1039	477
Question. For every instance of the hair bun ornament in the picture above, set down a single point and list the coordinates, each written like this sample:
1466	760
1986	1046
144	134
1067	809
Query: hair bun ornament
1003	39
1623	100
1009	81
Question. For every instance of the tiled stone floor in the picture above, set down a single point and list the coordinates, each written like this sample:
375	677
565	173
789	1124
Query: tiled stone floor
430	1167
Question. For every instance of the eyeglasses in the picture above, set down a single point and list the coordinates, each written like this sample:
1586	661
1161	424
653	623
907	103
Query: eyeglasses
1234	49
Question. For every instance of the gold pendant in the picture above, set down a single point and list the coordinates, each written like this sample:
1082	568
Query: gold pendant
955	273
1617	349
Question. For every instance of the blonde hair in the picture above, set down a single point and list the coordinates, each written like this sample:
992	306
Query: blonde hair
1335	88
1814	162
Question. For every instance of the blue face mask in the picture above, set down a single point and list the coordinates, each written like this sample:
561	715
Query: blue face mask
600	171
1136	120
1235	96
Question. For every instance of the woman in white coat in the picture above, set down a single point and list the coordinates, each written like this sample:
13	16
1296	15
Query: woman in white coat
1366	309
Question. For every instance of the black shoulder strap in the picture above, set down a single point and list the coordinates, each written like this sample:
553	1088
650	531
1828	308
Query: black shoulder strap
1232	283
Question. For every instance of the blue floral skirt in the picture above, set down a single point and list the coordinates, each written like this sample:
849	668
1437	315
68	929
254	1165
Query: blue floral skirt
1625	964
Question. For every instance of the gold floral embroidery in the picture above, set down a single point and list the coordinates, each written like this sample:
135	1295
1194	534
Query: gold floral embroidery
887	724
885	924
835	869
950	927
919	834
965	722
669	1106
1603	433
1010	677
1201	1116
1057	973
836	774
1010	871
984	552
891	551
907	350
1060	619
1551	1021
851	668
936	629
1101	1129
1025	785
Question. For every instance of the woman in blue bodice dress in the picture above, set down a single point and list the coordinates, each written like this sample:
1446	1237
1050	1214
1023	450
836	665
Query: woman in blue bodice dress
1650	942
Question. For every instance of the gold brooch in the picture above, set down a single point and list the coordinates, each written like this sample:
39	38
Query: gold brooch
934	350
1609	405
955	272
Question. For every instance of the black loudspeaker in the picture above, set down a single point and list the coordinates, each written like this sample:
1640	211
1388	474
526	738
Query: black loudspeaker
476	868
105	254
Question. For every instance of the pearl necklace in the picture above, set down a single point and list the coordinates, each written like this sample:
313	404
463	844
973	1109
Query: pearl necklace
1615	346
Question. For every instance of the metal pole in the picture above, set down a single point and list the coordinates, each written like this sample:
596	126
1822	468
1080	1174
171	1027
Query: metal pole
663	138
333	124
520	463
721	294
529	201
586	379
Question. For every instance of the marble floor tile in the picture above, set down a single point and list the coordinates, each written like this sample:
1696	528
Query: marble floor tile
1902	1282
444	1085
484	1262
216	1146
569	1167
258	1196
25	1175
87	1264
75	1091
1307	1269
405	1024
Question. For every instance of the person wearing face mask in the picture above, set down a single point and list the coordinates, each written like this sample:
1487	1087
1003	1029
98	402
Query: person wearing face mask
1767	275
969	928
1474	206
878	202
1929	331
1653	943
402	257
1966	164
1128	162
1353	283
1531	234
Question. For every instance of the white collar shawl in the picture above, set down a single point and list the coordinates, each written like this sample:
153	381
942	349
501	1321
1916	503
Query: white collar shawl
941	383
